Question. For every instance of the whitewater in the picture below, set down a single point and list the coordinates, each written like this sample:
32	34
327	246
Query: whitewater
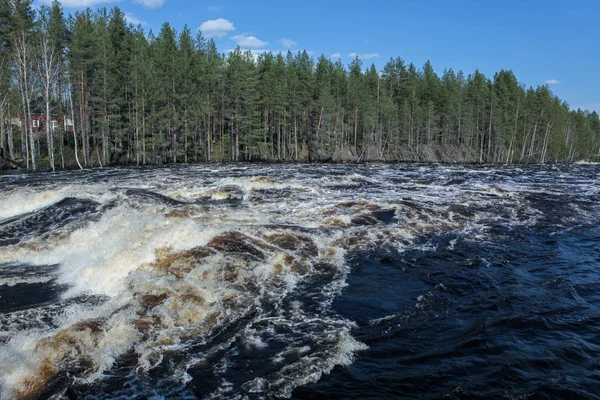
278	281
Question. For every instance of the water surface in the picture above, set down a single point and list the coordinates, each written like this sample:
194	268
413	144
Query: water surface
303	281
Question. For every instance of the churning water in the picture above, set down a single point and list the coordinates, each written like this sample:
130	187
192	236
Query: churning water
303	281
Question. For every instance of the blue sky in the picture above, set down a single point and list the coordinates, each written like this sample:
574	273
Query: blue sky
554	42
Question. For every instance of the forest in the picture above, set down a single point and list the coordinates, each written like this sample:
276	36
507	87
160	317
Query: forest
89	89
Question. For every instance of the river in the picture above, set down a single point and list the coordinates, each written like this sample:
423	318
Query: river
303	281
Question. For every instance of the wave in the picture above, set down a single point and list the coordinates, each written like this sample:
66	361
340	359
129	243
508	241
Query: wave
221	276
168	279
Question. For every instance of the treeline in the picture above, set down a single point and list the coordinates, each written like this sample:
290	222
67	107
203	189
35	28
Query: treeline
140	98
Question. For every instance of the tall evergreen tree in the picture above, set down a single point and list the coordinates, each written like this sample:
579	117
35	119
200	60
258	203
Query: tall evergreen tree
137	98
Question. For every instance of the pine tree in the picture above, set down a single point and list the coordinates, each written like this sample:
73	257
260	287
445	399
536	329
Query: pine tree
187	87
82	59
304	69
59	39
5	123
137	98
165	53
120	86
325	105
140	74
355	96
22	30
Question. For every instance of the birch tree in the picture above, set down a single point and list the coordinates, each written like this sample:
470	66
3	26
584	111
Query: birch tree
48	68
4	78
22	22
137	98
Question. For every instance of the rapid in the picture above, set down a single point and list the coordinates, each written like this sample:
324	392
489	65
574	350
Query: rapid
303	281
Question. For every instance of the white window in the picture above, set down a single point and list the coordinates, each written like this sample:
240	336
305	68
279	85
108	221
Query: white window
54	124
36	123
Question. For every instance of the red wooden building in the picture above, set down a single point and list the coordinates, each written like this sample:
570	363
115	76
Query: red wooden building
38	123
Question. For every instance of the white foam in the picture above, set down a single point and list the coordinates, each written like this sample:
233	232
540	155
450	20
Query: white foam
98	258
583	162
20	280
309	369
23	201
112	255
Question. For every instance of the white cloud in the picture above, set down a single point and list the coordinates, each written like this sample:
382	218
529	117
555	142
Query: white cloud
150	3
335	56
250	42
215	8
287	42
131	19
552	82
216	27
365	56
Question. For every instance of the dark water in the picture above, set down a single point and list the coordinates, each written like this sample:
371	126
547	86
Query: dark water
455	282
517	318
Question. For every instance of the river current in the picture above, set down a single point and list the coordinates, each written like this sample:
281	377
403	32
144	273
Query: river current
303	281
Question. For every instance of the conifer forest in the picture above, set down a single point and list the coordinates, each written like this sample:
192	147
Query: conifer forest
89	90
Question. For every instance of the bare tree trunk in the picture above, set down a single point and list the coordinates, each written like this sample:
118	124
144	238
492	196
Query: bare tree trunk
512	139
429	124
31	138
49	130
48	70
237	142
489	152
208	133
295	138
232	142
62	144
106	124
222	134
531	147
174	145
137	135
2	132
460	133
10	135
524	146
356	127
143	128
185	138
82	119
137	124
22	59
24	133
546	139
278	139
73	122
266	128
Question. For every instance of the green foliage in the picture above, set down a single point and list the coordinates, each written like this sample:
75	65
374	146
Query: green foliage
145	99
